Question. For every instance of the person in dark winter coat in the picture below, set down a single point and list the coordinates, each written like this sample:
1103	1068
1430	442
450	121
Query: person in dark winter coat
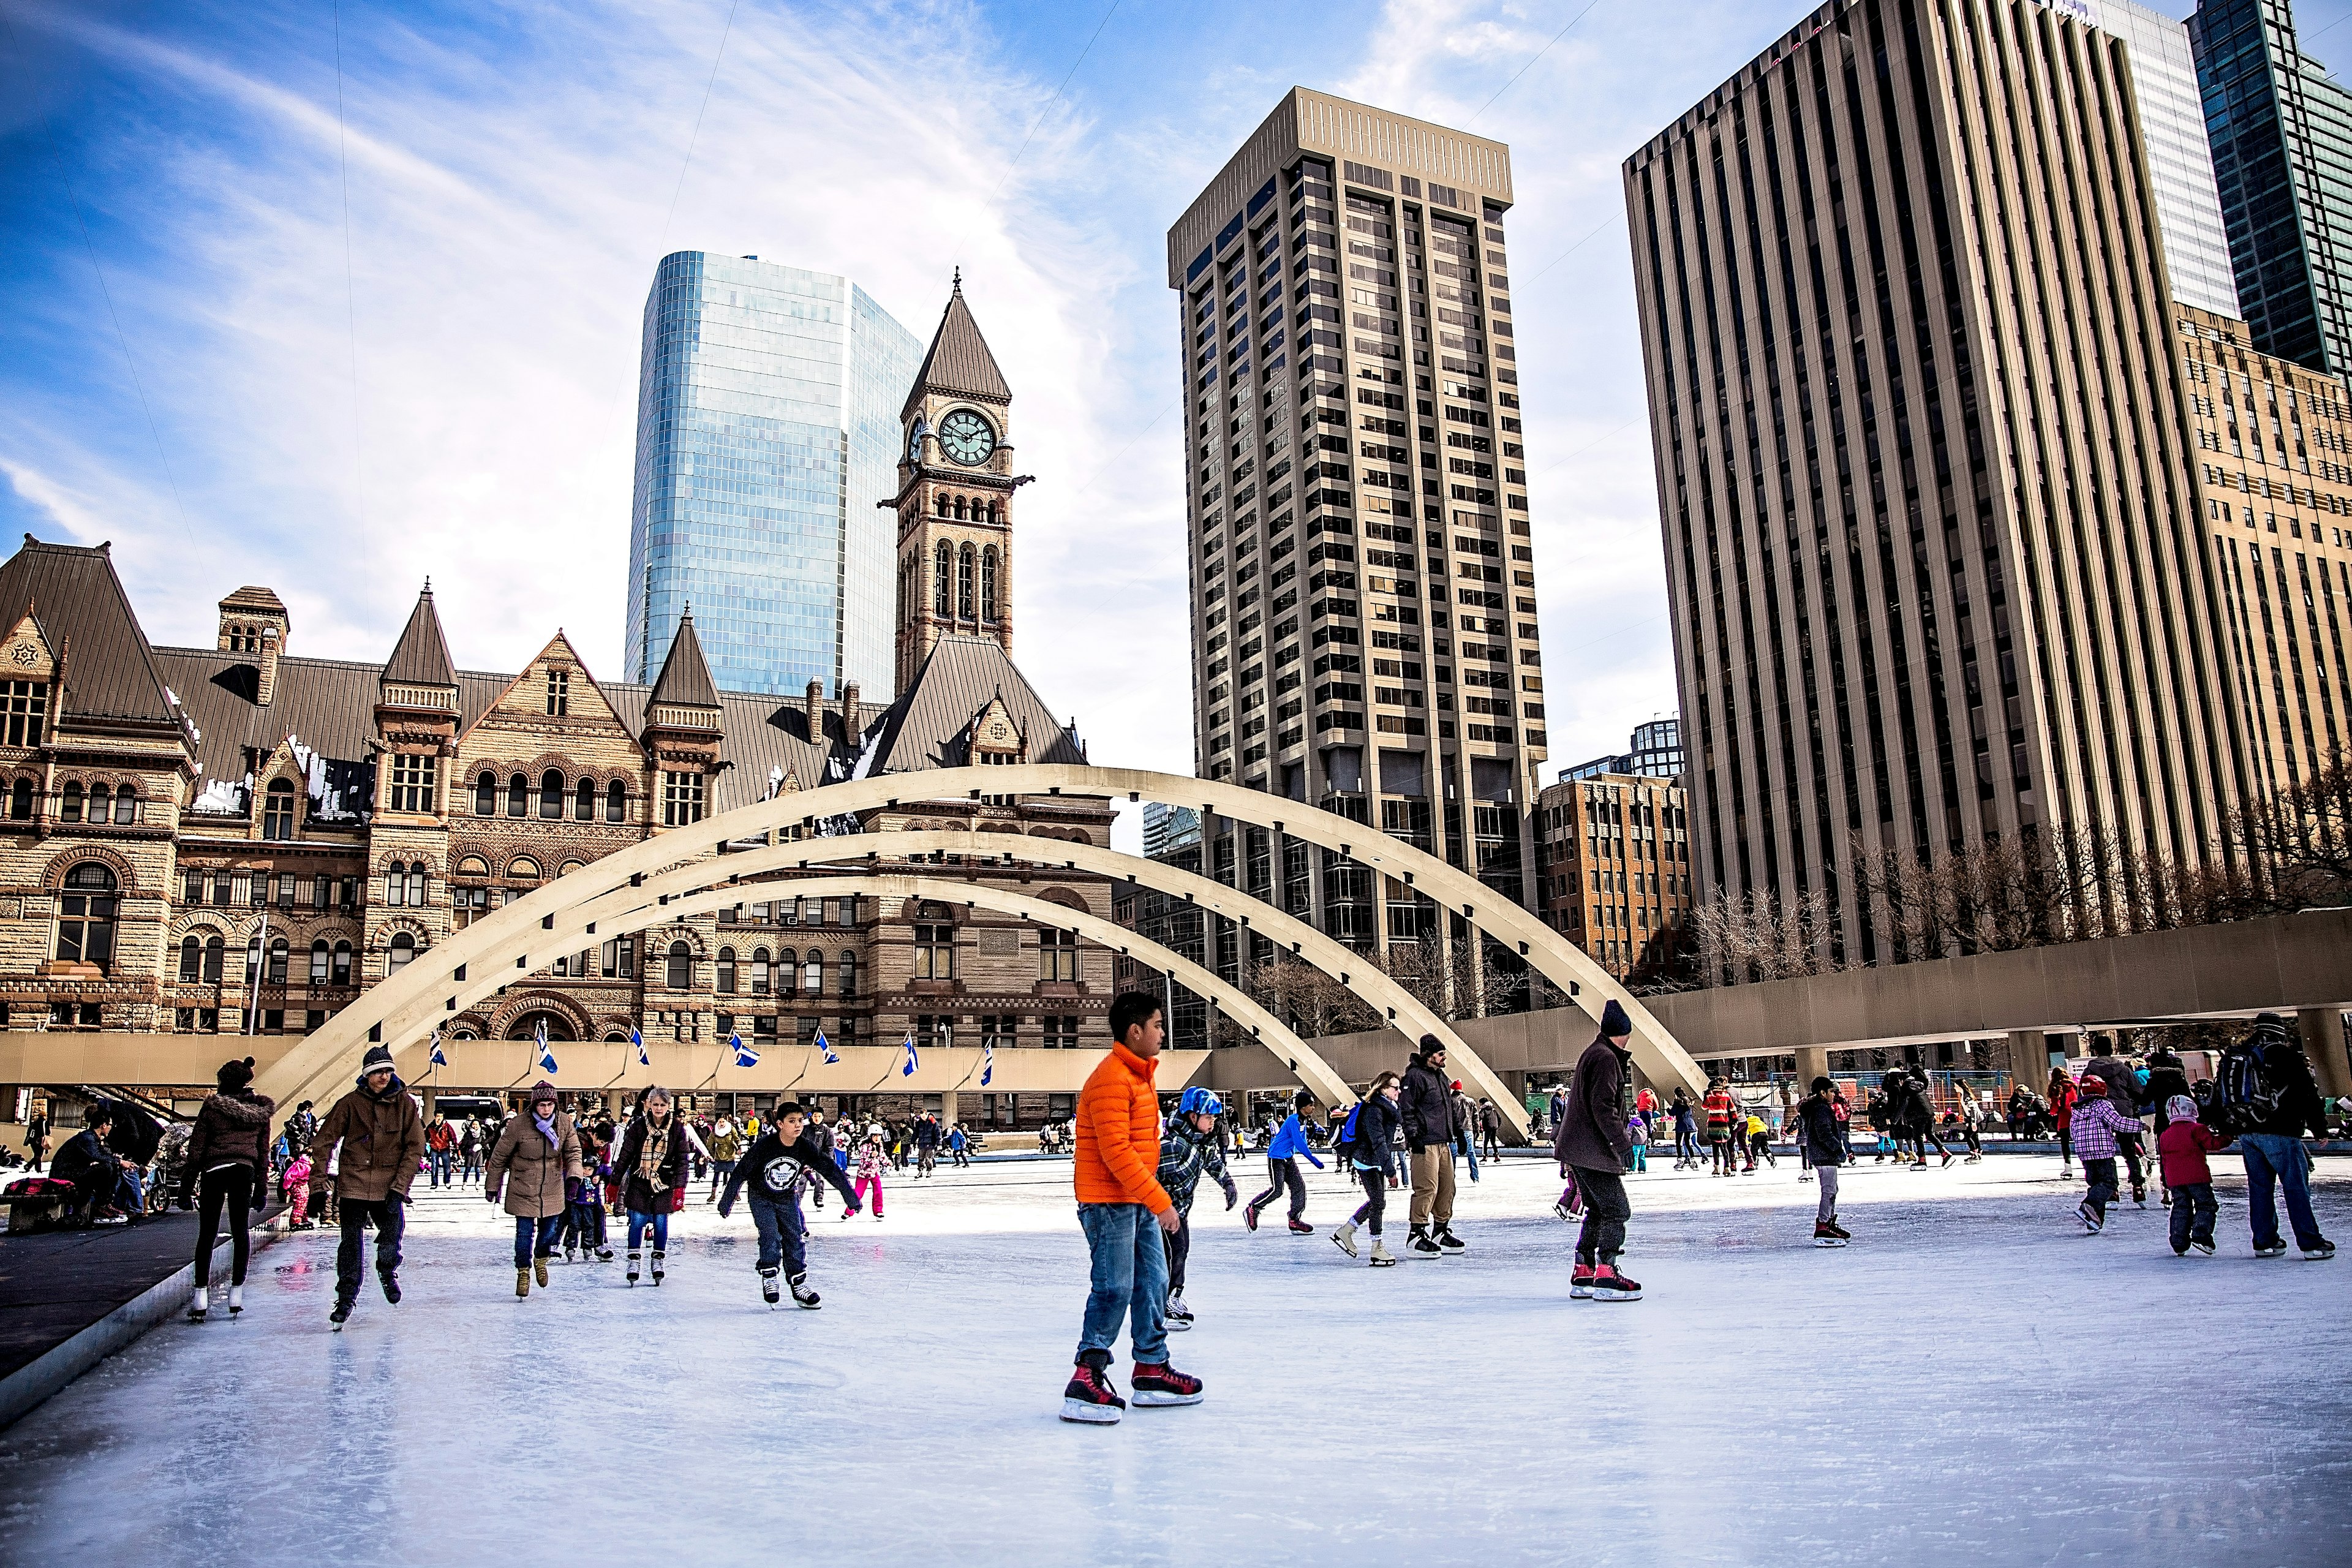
1592	1141
1189	1149
1370	1158
783	1159
226	1166
535	1161
2273	1147
95	1171
2166	1081
380	1133
1822	1136
1425	1105
652	1171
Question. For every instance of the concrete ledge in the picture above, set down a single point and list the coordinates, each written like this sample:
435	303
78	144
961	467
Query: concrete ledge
28	1386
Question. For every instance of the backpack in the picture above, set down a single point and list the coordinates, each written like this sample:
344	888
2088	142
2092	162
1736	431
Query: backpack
1345	1145
2245	1094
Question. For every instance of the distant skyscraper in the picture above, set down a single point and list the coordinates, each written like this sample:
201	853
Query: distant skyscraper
1655	751
1166	827
767	430
2281	129
1345	325
2179	162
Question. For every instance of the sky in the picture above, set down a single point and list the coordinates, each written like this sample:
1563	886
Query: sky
336	296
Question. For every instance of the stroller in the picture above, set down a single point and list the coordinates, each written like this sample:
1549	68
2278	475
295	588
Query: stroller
171	1156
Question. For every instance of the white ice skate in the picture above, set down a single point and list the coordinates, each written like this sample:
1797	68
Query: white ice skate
1344	1238
802	1294
236	1302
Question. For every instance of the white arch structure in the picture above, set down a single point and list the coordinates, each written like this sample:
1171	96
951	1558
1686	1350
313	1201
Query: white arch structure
553	919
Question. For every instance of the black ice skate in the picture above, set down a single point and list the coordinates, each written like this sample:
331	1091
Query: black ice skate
768	1290
341	1315
802	1294
1449	1241
1421	1246
391	1283
1089	1397
1826	1234
634	1256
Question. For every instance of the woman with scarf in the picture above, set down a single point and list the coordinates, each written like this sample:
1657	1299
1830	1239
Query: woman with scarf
651	1168
536	1153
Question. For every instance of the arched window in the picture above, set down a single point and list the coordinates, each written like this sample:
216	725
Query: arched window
101	803
126	805
813	972
727	972
20	801
252	958
616	802
991	513
517	796
940	505
403	948
958	509
69	809
215	958
319	959
395	884
760	970
486	795
277	950
86	916
191	958
551	795
965	608
848	974
277	814
523	869
942	563
583	802
416	884
988	583
681	966
343	964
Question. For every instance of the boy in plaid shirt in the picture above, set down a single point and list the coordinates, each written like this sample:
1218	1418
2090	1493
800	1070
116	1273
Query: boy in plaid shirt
1189	1149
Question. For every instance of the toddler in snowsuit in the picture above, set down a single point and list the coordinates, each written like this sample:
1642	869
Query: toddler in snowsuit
2182	1147
870	1160
296	1185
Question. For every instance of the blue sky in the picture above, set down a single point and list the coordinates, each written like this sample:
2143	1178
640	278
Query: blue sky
383	321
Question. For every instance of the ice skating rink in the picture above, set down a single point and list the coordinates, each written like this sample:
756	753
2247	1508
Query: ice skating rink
1973	1380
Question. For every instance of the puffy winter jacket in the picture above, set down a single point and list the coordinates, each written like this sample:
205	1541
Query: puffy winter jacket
383	1139
1427	1106
231	1129
1118	1133
533	1172
1592	1130
1818	1125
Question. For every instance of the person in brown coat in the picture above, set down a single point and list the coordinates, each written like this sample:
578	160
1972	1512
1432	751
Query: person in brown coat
226	1166
382	1133
1593	1142
536	1153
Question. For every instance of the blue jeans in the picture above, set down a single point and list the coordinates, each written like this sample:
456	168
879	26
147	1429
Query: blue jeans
641	1222
2271	1156
784	1235
439	1175
535	1237
1129	1280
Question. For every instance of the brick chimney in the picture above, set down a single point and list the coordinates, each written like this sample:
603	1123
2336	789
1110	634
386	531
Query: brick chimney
853	716
816	712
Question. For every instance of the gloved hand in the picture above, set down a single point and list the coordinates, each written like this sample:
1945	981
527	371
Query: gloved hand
1232	1195
490	1196
723	1210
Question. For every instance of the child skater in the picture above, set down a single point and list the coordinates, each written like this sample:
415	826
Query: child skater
1282	1157
296	1185
870	1160
1191	1150
2096	1127
2182	1147
786	1155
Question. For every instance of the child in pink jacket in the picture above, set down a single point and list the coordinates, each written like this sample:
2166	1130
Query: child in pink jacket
869	1171
296	1185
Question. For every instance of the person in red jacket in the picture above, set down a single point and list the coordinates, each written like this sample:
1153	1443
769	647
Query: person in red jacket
2063	1097
1123	1208
2181	1147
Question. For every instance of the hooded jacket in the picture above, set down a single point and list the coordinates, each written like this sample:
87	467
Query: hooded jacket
1592	1133
1425	1103
383	1138
1818	1125
532	1171
232	1129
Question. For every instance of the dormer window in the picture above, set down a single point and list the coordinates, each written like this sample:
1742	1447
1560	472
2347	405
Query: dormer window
558	693
278	811
24	704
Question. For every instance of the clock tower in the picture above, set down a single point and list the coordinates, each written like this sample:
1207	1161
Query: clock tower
955	496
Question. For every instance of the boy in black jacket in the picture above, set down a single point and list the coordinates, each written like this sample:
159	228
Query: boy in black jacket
774	1168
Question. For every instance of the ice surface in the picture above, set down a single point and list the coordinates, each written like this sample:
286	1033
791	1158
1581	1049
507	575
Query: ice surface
1973	1380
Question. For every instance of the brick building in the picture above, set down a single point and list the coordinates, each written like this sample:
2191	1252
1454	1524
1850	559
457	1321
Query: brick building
1615	851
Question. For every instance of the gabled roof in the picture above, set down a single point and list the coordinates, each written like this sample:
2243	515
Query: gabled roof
420	657
929	726
959	360
685	678
75	597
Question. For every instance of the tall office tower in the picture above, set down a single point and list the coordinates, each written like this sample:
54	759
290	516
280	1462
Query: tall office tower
1345	322
2281	129
767	404
2275	486
1932	552
1655	750
2179	162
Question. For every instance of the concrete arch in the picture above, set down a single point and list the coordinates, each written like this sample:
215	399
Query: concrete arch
425	980
653	909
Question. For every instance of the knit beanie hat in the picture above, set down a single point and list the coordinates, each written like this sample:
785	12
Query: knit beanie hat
378	1059
235	1075
1613	1021
542	1092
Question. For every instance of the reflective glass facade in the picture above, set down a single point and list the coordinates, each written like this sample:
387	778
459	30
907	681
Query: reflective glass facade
2179	163
767	431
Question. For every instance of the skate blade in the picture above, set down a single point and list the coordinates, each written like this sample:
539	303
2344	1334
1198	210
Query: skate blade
1175	1327
1088	1414
1616	1295
1383	1263
810	1306
1345	1243
1144	1399
1827	1241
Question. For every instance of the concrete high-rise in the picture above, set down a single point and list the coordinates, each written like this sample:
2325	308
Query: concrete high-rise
768	434
2281	129
1362	570
1931	533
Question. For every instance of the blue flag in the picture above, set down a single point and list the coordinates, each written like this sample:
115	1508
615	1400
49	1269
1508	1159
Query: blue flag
639	1040
745	1056
908	1069
825	1048
434	1056
546	1057
987	1061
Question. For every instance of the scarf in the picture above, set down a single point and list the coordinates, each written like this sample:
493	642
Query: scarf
653	1153
547	1124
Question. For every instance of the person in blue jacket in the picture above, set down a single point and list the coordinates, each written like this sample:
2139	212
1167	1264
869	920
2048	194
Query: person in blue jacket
1373	1164
1282	1157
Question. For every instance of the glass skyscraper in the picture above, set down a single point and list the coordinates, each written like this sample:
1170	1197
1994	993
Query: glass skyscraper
2179	163
767	410
2282	133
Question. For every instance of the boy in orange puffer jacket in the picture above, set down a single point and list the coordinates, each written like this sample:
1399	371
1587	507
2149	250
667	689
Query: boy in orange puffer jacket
1123	1208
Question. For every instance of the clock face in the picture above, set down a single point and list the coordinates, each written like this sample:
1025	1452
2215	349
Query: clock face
966	437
